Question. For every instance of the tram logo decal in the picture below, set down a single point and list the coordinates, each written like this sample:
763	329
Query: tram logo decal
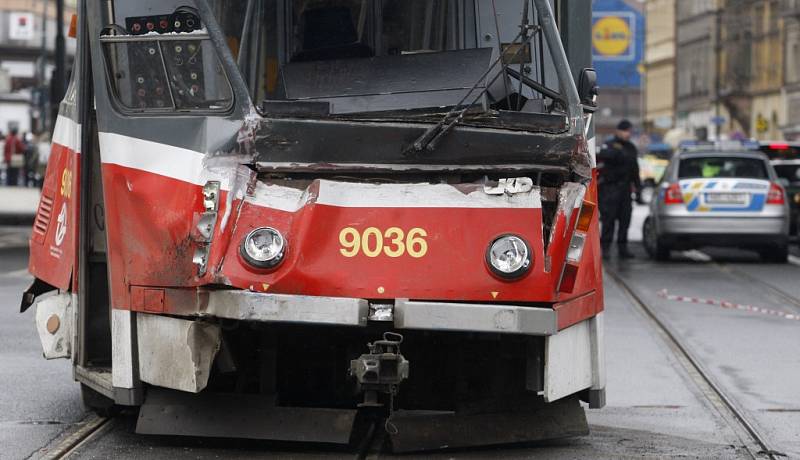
61	225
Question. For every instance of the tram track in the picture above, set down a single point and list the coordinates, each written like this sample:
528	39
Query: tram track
93	427
370	448
791	301
753	442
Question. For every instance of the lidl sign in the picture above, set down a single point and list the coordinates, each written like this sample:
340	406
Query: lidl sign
613	36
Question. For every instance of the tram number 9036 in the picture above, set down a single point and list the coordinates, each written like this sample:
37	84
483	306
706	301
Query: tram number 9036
394	242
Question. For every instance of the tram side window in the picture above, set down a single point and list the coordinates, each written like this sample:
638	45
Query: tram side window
165	63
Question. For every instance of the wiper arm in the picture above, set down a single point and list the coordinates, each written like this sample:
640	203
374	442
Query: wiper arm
431	137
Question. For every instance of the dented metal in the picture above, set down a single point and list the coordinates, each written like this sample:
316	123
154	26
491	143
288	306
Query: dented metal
176	353
204	225
54	323
509	186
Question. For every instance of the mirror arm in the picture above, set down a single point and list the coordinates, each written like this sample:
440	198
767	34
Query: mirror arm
536	85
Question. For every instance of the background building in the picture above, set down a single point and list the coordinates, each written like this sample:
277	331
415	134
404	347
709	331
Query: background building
659	67
618	30
695	65
27	61
736	66
791	15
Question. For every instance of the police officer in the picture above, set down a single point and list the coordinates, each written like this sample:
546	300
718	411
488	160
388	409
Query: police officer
618	177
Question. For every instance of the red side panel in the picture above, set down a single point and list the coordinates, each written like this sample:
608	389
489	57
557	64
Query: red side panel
54	238
148	222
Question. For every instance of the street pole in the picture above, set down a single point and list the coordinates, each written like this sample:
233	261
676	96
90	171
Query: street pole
58	83
717	70
42	83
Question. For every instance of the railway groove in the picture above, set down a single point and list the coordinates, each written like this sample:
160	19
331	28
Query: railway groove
792	301
370	448
93	426
756	445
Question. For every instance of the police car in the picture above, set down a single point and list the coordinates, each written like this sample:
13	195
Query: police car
724	194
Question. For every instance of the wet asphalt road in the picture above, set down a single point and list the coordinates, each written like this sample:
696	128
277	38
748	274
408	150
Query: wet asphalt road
655	409
38	399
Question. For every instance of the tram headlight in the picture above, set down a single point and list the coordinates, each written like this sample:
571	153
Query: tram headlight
509	256
263	247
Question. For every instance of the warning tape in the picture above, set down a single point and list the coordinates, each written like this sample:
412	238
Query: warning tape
664	294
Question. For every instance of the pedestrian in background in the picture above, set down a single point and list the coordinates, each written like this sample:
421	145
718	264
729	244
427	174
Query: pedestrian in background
31	160
618	167
14	156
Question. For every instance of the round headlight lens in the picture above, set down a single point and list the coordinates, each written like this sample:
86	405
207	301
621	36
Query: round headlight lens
263	247
509	256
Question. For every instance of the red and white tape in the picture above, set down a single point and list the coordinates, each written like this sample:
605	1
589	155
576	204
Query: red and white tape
664	294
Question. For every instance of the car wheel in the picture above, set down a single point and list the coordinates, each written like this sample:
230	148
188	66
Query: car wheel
654	246
776	254
97	402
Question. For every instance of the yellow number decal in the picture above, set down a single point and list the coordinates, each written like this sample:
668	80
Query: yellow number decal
350	240
365	242
395	235
416	244
66	183
394	242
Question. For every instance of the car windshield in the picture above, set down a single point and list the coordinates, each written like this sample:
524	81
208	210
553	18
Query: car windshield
721	167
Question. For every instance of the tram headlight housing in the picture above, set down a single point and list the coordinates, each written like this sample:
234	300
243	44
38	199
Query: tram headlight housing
263	247
509	256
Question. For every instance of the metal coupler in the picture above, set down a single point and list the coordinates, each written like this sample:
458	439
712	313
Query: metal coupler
381	370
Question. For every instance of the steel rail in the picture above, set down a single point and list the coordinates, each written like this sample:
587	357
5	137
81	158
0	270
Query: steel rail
370	447
713	392
93	425
792	301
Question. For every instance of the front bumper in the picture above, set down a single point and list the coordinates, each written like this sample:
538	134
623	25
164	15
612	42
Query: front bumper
405	314
707	225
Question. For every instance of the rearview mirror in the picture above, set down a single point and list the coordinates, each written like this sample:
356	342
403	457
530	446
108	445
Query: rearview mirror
587	89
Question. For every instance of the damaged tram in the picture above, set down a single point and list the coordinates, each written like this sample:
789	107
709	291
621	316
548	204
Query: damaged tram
278	219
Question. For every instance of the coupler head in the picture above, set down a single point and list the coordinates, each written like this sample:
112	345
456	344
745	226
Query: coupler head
381	370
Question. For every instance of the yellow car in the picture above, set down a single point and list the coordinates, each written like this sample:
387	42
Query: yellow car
653	163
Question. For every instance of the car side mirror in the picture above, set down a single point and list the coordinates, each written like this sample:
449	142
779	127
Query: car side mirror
587	89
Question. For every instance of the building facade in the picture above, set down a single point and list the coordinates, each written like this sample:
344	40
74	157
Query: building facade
696	32
618	30
791	15
736	67
27	61
659	66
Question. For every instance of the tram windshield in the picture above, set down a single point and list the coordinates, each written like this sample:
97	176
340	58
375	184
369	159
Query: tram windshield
366	56
364	64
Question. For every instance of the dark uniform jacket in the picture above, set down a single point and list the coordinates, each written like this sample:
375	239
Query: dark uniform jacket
618	164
